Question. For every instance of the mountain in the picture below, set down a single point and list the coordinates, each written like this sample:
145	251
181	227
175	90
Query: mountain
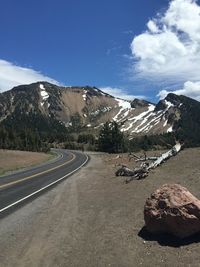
49	108
75	108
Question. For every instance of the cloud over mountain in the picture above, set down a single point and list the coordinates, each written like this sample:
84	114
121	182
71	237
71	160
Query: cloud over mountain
169	50
190	89
12	75
120	93
171	45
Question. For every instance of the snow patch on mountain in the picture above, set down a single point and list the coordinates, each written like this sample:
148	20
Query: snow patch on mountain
170	130
169	104
165	123
102	110
43	94
151	123
84	95
143	114
98	126
125	107
147	120
141	117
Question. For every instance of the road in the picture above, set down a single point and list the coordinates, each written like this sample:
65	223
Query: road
17	188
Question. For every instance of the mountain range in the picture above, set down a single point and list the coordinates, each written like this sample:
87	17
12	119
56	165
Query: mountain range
46	107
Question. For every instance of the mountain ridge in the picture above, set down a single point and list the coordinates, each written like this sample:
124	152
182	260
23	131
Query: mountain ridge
86	108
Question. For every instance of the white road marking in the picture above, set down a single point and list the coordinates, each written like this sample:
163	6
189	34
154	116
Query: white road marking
37	174
45	187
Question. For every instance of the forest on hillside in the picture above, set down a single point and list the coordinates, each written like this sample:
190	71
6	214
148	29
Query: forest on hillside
46	135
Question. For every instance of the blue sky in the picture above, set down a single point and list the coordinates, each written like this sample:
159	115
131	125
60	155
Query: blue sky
90	42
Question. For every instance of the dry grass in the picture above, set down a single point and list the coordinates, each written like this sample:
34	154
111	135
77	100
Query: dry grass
13	160
141	249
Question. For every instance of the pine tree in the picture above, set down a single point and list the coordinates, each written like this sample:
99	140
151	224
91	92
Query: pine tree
111	140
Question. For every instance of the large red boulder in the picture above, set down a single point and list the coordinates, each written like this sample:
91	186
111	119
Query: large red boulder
172	209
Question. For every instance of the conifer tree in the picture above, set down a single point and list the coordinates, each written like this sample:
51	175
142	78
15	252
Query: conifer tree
111	140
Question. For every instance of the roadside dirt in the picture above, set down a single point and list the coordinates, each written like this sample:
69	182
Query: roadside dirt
94	219
11	160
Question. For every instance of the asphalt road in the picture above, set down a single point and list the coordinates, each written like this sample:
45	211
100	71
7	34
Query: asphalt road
17	188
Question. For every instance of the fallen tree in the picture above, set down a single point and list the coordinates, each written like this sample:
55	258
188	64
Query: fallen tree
172	152
137	173
141	158
142	171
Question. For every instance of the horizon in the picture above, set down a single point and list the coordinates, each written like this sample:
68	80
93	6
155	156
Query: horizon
129	50
84	86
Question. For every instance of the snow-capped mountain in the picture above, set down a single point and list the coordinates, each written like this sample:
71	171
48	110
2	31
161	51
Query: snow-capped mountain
88	108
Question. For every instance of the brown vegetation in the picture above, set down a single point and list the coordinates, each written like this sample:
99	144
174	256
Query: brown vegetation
12	160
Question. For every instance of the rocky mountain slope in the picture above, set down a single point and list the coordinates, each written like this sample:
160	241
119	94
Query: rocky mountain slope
49	107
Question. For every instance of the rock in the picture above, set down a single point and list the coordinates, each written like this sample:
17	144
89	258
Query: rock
172	209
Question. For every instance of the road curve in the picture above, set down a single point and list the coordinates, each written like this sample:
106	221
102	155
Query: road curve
21	186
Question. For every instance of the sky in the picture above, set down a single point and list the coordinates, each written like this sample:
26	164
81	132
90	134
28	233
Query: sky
128	48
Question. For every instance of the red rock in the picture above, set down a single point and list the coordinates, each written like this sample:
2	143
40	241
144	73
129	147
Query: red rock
172	209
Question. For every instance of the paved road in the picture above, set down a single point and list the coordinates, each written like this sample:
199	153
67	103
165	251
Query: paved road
21	186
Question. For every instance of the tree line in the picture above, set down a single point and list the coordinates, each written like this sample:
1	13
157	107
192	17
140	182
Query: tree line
110	139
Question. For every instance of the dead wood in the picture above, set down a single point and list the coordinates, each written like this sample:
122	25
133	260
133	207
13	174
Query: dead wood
137	173
165	156
145	167
141	158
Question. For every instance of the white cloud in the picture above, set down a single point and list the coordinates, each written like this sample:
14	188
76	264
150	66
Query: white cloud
169	50
120	93
190	89
152	26
12	75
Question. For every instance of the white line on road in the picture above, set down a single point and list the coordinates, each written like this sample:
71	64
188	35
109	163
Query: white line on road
45	187
37	174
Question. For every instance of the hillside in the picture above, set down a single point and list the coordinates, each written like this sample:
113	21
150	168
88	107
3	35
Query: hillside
52	111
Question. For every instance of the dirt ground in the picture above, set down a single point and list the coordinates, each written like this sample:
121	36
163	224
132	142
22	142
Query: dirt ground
14	160
95	219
